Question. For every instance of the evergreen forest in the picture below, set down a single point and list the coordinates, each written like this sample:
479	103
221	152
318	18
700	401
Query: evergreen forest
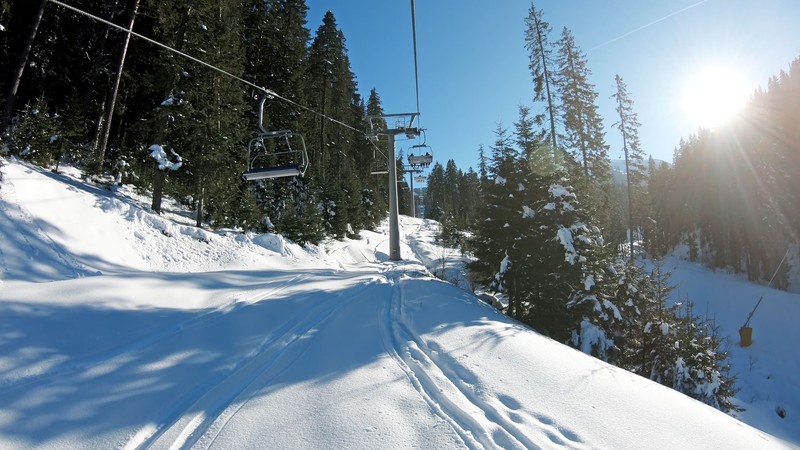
105	106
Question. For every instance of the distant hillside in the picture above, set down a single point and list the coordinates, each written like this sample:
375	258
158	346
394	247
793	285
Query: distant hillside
618	169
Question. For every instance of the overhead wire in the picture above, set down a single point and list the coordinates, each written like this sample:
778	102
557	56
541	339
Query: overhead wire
414	37
266	91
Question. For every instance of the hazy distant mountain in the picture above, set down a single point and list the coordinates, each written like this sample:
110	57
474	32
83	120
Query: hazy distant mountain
618	169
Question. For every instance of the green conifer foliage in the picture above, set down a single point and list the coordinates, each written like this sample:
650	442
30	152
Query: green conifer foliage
330	88
584	137
209	122
543	67
435	194
494	231
537	151
35	134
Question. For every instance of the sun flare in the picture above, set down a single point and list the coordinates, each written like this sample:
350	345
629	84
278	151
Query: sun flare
714	96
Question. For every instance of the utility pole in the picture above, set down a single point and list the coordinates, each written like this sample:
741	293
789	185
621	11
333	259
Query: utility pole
394	215
411	182
391	125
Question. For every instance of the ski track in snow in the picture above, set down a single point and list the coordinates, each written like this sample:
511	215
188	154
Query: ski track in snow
452	392
152	339
201	414
395	342
438	390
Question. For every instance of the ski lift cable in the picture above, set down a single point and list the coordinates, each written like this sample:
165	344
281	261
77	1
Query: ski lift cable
750	316
414	37
269	92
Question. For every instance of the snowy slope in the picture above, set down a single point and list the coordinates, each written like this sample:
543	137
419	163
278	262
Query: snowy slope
121	329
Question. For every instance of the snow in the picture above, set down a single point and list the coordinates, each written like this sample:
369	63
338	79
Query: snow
560	191
588	283
565	237
157	152
123	329
171	100
504	264
528	212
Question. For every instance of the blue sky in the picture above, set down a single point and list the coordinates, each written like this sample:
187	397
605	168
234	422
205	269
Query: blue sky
473	67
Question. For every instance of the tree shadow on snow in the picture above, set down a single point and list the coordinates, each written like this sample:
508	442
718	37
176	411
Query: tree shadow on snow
91	370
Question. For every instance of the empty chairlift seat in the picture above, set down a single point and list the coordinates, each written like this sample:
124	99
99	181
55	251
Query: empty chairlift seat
272	154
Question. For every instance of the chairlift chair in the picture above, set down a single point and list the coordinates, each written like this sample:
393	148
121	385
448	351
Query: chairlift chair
424	160
258	149
379	169
420	178
416	157
380	165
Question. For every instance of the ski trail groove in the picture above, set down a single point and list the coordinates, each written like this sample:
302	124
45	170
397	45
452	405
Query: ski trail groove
152	339
205	437
401	347
450	388
202	413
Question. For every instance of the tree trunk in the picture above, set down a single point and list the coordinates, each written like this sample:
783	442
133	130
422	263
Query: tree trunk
105	124
93	75
547	81
5	119
159	179
199	213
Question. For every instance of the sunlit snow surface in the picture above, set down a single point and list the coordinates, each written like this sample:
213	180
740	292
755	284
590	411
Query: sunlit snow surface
123	329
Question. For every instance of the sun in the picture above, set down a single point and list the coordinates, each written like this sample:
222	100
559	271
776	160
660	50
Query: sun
715	95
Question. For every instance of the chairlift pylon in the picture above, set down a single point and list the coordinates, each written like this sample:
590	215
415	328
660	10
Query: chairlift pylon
288	161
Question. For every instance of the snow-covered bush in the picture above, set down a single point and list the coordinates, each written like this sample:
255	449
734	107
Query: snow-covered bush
158	153
34	134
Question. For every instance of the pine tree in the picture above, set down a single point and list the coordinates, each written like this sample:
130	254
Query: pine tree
494	233
435	194
538	154
699	369
452	178
482	163
330	89
469	194
35	134
661	229
362	213
275	38
378	184
209	121
583	132
543	70
562	266
628	126
583	126
641	298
